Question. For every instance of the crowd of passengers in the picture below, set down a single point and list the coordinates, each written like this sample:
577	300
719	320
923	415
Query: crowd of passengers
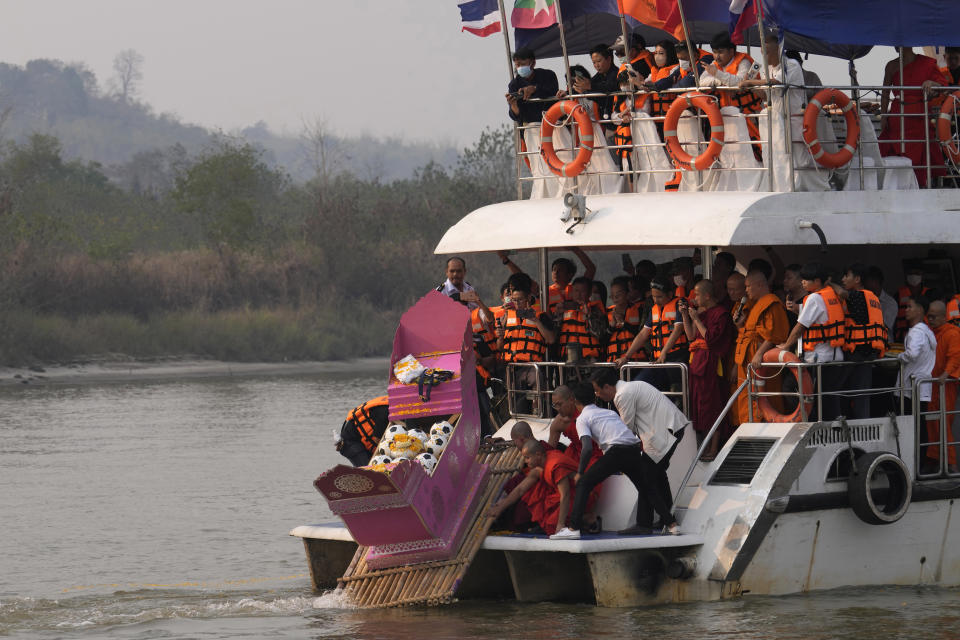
639	87
722	328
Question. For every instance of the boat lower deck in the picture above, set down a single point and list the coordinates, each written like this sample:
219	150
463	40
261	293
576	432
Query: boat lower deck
606	568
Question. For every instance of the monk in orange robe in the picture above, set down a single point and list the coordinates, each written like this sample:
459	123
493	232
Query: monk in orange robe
533	498
764	326
947	365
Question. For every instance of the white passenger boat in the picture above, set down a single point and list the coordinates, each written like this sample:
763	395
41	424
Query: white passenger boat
785	507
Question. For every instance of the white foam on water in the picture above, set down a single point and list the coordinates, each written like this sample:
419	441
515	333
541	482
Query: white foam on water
336	599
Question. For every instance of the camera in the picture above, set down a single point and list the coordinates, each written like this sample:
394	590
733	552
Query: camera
516	94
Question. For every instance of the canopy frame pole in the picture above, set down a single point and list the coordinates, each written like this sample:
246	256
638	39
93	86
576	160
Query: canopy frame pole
563	45
694	58
787	117
517	130
543	255
903	132
852	70
766	73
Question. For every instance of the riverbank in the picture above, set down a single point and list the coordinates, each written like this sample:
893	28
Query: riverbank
125	370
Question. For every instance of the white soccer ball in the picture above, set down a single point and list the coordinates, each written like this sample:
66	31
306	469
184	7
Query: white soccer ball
419	435
380	459
428	460
441	429
383	448
436	444
393	430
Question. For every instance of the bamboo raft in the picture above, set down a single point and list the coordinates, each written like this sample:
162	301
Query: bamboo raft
432	583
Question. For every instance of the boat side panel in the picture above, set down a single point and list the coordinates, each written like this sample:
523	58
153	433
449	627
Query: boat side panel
328	560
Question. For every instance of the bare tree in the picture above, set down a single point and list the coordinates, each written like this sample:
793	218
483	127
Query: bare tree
128	72
321	149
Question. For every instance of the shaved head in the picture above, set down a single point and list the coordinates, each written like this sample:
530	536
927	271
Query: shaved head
531	447
735	286
562	392
756	277
937	314
757	285
705	288
521	431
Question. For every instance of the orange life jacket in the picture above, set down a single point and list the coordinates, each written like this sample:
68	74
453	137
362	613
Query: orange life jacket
660	102
482	330
362	419
573	329
746	101
557	296
522	340
830	331
873	334
622	337
953	310
661	326
900	325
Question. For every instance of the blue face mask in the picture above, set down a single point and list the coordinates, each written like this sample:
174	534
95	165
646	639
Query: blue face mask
525	71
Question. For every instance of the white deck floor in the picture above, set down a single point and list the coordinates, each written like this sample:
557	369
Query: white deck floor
337	531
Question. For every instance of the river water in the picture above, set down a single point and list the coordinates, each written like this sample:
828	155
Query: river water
160	509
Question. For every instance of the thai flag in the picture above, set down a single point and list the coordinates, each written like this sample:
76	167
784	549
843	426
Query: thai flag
480	17
743	15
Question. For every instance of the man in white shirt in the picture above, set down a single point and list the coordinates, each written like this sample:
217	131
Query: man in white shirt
622	453
651	415
918	357
460	290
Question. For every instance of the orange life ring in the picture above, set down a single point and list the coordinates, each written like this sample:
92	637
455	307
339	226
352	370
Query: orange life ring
849	109
948	113
551	120
707	104
804	383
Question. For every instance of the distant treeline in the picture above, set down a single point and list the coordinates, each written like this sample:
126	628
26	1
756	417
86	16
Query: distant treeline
228	257
135	146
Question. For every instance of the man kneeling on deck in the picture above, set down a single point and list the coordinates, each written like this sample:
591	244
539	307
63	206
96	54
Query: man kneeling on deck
622	452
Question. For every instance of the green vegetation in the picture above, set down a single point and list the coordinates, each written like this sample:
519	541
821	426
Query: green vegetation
232	259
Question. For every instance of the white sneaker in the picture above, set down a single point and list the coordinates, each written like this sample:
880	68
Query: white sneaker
672	529
566	534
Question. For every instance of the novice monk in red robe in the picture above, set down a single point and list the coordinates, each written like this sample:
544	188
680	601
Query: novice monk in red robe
523	514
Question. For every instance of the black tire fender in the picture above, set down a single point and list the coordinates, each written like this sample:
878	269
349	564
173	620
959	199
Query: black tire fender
870	500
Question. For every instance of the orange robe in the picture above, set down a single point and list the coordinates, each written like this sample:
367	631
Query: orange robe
766	320
948	361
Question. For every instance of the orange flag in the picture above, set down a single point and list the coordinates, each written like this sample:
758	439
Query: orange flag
660	14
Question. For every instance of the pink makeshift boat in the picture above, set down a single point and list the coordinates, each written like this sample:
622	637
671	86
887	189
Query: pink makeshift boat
406	514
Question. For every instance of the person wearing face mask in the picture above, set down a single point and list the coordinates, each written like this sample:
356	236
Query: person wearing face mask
914	287
639	66
681	272
686	77
529	84
665	77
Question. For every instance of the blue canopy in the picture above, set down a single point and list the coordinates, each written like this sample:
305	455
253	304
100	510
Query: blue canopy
590	22
907	23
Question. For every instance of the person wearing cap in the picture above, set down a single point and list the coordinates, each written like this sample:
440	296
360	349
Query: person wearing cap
529	84
663	328
686	77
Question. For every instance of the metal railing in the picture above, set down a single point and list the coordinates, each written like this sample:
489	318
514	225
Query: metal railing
857	173
945	443
530	385
757	381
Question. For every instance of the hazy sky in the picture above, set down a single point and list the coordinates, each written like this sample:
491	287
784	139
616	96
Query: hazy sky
388	67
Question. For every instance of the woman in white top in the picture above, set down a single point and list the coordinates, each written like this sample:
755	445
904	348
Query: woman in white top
919	354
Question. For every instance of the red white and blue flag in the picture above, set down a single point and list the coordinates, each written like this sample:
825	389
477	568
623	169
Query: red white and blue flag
743	15
480	17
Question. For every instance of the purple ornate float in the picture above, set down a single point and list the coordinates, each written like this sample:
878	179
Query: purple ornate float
406	515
